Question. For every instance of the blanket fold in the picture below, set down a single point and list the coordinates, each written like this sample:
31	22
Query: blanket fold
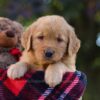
33	87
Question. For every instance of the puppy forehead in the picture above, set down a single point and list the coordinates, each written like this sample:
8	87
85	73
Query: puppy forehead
48	29
52	26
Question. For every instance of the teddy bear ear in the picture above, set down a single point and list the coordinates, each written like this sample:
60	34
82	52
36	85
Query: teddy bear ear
73	43
19	26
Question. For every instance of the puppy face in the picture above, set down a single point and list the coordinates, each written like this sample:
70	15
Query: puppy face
49	39
49	47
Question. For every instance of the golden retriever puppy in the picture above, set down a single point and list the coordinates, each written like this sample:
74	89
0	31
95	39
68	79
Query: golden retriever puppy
51	45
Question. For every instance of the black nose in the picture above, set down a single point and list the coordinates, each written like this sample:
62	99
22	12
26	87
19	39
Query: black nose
10	34
49	53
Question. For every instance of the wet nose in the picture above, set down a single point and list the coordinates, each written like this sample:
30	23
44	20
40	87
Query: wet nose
49	53
10	34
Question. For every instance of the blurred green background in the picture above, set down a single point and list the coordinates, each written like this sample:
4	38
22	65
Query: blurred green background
84	15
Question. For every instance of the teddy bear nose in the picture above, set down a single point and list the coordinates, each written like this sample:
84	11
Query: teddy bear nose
10	34
49	53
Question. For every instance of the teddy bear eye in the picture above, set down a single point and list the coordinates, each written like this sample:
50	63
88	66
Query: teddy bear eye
40	37
59	39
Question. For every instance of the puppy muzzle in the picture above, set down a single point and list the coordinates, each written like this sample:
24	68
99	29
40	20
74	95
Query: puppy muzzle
49	53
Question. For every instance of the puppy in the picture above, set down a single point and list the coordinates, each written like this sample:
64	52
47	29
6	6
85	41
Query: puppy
50	45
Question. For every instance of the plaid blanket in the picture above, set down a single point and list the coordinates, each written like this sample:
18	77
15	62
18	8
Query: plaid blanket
33	87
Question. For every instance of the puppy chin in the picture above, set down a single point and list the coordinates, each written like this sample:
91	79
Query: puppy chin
43	62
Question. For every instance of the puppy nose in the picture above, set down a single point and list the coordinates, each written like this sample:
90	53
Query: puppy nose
10	34
49	53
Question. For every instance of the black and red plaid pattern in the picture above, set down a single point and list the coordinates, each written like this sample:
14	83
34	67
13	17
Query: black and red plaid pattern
33	87
15	52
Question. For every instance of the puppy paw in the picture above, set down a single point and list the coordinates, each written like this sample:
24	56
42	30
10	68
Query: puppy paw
54	74
17	70
53	78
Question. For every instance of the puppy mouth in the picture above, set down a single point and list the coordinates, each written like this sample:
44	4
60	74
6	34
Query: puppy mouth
47	61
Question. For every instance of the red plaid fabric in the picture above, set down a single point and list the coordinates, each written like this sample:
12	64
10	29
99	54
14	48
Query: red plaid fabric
16	53
33	87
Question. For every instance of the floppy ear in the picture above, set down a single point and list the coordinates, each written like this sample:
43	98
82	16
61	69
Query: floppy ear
73	43
26	39
29	43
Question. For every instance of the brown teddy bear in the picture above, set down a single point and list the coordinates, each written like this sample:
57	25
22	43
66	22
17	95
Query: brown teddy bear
10	47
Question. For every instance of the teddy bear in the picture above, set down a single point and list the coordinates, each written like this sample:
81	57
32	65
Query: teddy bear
10	45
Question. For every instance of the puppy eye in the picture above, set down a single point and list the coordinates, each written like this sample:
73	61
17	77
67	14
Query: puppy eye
59	40
40	37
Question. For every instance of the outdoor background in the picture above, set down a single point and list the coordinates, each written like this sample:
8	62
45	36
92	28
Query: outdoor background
83	15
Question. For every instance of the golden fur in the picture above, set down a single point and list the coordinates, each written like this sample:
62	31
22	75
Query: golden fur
49	32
